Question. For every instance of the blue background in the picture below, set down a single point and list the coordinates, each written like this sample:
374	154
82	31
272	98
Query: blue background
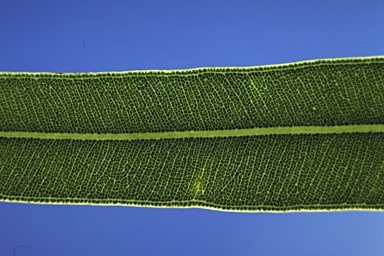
82	36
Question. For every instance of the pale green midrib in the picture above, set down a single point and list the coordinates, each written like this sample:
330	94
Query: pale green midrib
295	130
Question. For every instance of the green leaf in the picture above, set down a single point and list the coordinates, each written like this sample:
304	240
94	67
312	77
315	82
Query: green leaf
292	137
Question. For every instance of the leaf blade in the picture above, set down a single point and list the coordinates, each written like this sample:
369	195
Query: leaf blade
315	93
235	173
290	171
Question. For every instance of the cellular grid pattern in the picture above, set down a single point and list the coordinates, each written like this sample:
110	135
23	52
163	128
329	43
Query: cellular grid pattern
322	93
235	173
248	173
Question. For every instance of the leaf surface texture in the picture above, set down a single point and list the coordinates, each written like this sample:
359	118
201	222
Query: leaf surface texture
238	171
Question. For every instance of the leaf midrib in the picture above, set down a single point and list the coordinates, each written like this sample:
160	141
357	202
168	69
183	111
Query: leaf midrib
295	130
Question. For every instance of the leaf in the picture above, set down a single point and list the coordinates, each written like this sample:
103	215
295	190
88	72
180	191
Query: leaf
292	137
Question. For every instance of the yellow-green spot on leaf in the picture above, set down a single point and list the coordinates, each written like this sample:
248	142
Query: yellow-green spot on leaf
374	190
198	187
